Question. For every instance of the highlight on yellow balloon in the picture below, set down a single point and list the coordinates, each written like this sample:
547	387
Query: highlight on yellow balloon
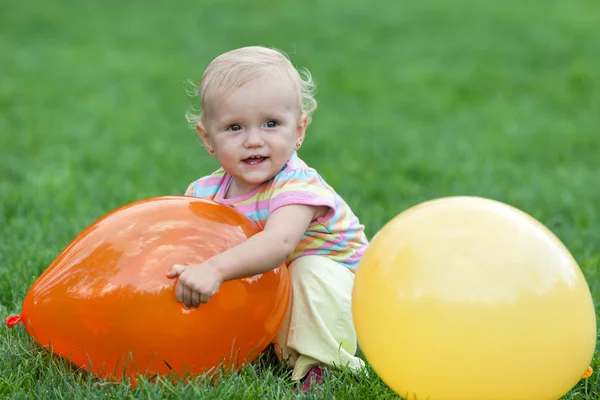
469	298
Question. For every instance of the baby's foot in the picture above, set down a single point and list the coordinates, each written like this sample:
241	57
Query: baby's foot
313	378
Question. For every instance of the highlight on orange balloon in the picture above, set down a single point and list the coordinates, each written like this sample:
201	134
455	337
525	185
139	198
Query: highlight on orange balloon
106	305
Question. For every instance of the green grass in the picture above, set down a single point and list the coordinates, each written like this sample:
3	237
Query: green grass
417	100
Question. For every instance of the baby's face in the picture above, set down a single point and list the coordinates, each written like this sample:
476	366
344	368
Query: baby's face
255	130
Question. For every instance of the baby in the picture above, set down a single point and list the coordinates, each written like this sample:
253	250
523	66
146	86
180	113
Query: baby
255	110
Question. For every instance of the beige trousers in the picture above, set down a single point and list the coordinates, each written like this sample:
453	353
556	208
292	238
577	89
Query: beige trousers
318	327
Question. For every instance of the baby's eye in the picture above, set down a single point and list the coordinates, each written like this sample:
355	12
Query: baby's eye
234	127
271	124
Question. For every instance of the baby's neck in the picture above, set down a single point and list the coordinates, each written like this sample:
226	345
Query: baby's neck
234	190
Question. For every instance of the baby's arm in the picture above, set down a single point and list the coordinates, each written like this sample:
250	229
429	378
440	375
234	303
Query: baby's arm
260	253
271	247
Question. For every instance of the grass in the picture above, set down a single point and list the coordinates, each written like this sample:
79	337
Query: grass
417	100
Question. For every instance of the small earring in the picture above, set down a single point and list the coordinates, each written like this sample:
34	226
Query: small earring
211	151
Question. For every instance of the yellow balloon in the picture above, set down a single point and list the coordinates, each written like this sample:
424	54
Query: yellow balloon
466	298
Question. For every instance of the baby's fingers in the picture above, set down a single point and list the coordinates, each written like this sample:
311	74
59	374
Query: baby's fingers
187	296
196	299
204	298
179	291
175	270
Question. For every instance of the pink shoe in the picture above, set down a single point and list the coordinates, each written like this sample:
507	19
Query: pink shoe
313	378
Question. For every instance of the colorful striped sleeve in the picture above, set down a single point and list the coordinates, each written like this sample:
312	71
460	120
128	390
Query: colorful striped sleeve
190	189
301	186
206	187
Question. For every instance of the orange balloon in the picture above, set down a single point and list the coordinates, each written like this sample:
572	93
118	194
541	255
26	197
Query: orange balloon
106	304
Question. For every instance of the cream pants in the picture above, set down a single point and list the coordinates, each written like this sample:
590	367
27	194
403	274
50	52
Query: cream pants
318	327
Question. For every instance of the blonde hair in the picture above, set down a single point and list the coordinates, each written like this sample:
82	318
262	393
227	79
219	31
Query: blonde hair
234	68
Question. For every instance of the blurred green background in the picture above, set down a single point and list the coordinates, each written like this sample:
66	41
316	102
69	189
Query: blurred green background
417	100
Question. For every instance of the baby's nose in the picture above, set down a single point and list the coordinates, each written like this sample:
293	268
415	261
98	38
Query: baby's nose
254	137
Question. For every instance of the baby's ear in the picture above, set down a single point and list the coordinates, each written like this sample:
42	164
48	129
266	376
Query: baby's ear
304	119
205	137
302	124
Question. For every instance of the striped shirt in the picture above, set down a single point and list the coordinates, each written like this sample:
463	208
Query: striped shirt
337	235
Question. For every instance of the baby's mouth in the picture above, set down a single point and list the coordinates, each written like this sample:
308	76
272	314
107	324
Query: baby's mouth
254	160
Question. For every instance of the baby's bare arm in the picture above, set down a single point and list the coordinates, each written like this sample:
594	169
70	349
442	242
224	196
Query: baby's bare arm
260	253
269	248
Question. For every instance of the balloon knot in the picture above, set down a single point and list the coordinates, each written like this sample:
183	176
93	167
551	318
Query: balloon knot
588	373
12	320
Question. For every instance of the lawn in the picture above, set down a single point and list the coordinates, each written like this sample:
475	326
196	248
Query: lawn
417	100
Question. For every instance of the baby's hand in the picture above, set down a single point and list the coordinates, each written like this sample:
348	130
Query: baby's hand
197	283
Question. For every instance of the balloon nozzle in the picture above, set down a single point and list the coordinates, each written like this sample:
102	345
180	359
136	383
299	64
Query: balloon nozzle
12	320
